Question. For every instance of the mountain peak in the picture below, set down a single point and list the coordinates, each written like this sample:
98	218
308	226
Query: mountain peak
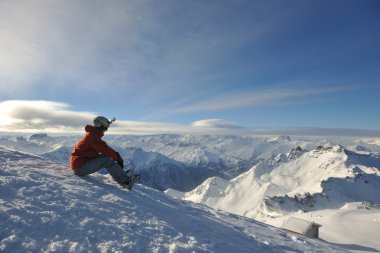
283	138
40	136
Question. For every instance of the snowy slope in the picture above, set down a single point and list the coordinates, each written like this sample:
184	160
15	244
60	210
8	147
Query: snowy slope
329	177
355	226
44	208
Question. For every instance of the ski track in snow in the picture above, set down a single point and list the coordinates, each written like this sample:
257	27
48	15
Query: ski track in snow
44	208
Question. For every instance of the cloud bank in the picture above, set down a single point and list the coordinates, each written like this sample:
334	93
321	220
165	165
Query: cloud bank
35	116
22	116
56	117
215	123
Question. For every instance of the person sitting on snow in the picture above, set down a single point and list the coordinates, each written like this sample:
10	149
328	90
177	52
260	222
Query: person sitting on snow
91	154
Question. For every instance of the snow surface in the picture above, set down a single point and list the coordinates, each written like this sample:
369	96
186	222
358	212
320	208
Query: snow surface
297	225
355	227
45	208
325	178
266	178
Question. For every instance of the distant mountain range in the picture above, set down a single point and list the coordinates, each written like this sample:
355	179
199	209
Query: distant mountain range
180	162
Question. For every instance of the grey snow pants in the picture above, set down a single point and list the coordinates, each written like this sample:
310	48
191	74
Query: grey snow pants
102	162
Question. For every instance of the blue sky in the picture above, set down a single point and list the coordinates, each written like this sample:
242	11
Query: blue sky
254	64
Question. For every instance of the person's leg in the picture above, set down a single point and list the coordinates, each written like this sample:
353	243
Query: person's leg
116	171
91	166
103	162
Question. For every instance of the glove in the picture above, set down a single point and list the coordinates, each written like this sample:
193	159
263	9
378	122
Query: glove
120	161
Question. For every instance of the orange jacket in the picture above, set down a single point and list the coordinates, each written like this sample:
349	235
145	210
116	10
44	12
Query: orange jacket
89	147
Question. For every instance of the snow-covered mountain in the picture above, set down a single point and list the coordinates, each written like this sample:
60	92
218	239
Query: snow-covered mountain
44	208
37	143
225	155
59	154
333	182
180	162
327	177
160	172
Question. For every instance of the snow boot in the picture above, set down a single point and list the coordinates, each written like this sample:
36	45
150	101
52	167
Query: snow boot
131	180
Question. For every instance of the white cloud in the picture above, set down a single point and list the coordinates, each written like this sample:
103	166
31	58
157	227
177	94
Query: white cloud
215	123
208	126
249	99
36	116
56	117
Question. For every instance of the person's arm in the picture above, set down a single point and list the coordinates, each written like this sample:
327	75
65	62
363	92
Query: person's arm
104	149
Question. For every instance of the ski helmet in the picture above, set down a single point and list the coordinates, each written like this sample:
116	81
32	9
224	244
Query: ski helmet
102	122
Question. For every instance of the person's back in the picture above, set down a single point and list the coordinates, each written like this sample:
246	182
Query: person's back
91	154
90	146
